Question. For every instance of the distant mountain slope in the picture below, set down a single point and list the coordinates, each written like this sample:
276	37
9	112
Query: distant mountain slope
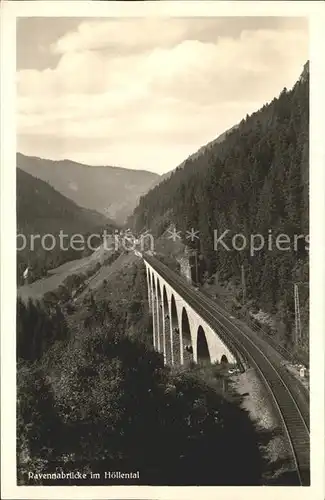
256	181
112	191
42	210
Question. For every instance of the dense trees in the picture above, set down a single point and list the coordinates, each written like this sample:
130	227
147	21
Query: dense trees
38	327
125	293
107	403
100	399
254	182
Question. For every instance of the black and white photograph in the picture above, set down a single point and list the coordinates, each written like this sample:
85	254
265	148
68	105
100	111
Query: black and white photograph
162	253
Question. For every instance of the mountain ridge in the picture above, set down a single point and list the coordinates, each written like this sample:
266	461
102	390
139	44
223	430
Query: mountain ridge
41	210
112	191
81	164
196	154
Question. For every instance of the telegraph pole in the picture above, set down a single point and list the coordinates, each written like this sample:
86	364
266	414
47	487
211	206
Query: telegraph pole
297	310
196	269
193	253
243	283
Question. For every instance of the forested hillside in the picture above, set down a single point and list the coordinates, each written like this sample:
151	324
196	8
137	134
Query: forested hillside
112	191
42	210
201	151
254	182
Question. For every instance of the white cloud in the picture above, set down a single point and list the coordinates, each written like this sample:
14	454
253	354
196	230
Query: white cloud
158	102
133	34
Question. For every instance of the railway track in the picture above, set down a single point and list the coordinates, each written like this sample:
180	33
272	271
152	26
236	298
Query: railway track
284	352
293	412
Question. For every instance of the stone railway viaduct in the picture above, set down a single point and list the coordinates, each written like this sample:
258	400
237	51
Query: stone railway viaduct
182	336
179	332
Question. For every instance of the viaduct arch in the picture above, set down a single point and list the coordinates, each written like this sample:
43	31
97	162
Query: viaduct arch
179	332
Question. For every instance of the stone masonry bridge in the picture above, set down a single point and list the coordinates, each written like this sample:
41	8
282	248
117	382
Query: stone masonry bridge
179	331
188	326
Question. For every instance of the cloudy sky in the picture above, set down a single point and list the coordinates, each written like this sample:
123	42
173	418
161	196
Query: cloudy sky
146	93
